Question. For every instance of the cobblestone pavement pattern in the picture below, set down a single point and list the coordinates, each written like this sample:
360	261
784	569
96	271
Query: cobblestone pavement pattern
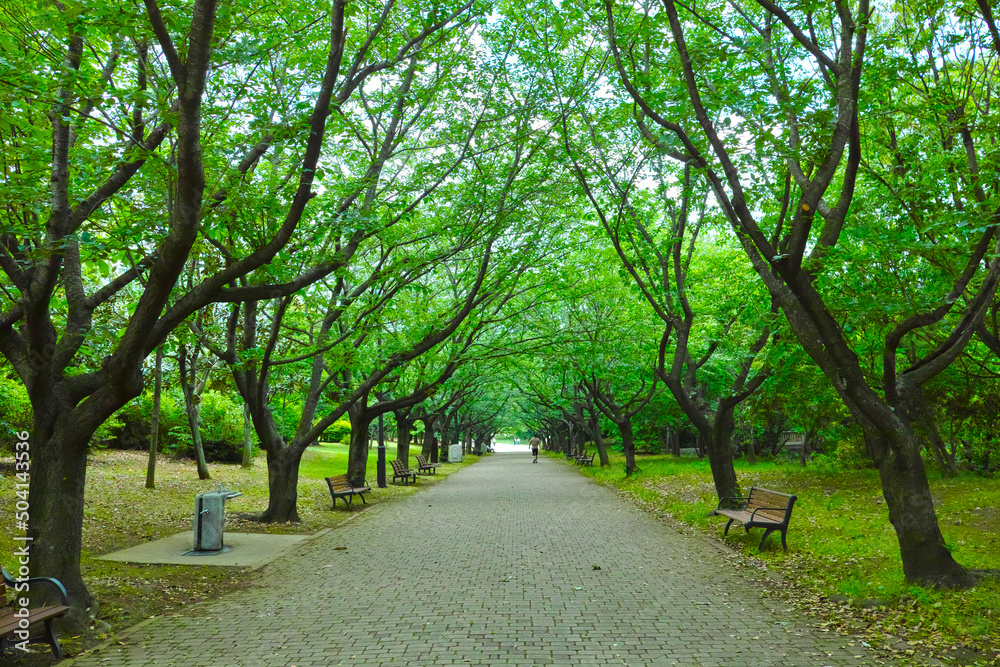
494	566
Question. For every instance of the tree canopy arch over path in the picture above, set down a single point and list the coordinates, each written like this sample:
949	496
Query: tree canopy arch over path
603	204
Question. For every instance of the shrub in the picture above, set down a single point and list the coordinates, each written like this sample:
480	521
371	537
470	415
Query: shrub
221	426
337	431
851	452
221	418
134	423
221	430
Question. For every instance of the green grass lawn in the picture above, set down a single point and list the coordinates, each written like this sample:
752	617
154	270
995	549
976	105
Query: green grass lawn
842	547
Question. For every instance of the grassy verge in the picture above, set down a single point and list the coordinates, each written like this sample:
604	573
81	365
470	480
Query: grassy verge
842	564
120	512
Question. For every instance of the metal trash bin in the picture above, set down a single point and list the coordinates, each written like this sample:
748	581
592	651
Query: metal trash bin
210	518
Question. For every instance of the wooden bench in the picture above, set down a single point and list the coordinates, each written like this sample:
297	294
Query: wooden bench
341	488
763	508
585	460
401	471
424	466
13	631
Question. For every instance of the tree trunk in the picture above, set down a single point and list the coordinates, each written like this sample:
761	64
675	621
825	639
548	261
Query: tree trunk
720	459
247	437
806	446
357	453
445	438
282	484
282	460
404	434
58	475
628	443
192	399
602	447
594	426
926	559
718	443
429	451
154	432
55	528
193	411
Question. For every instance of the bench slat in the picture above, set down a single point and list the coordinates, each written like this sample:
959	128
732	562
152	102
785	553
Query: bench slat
10	622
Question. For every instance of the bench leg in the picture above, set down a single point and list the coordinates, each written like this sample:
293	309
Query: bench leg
50	637
363	498
784	546
767	531
726	532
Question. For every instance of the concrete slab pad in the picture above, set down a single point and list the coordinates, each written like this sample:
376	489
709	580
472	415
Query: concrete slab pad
242	550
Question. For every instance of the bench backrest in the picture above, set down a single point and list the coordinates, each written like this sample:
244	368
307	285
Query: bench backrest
421	459
766	498
338	483
399	467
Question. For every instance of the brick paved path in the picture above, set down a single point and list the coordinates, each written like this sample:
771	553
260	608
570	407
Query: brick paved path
493	566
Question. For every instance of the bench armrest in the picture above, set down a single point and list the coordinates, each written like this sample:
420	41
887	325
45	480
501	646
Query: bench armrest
56	585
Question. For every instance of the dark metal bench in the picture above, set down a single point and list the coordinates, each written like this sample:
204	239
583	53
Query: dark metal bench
424	466
341	488
585	460
401	471
15	626
763	508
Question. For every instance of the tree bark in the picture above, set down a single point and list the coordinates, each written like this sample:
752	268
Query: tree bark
593	424
717	443
357	453
247	437
428	449
628	443
154	433
926	559
59	461
404	434
282	484
191	389
58	447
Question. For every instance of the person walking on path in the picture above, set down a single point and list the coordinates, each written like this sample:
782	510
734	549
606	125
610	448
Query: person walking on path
534	443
